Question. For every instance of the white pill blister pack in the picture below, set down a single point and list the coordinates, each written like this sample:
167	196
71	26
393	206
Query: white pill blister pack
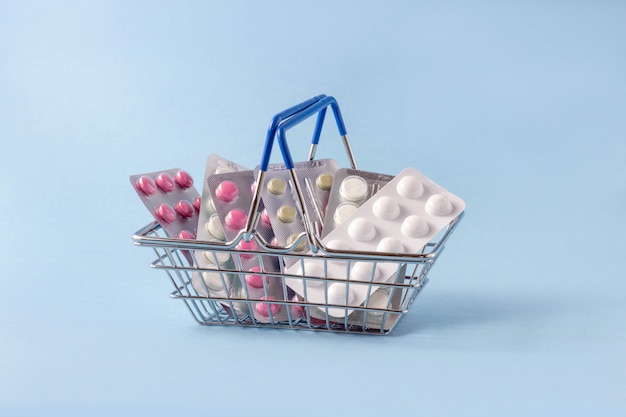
315	179
401	218
351	188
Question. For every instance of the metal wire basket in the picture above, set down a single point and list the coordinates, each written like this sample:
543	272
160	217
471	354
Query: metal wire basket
386	302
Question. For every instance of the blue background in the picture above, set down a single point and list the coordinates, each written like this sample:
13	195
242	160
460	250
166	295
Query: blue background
519	108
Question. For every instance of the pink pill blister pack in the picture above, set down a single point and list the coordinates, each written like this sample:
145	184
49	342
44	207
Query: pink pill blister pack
210	228
209	225
172	199
232	195
315	179
351	188
401	218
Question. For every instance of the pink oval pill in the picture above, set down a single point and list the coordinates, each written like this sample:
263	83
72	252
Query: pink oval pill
196	203
247	246
145	185
184	208
164	182
264	309
186	234
236	219
165	213
256	280
227	191
183	179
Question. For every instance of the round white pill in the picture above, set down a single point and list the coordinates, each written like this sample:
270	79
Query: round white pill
213	281
386	208
353	188
410	187
210	206
312	269
197	284
438	205
362	230
390	245
214	227
414	226
380	299
340	294
364	271
343	212
337	244
223	169
221	257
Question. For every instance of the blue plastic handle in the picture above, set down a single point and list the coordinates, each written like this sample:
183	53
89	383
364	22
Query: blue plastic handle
318	107
277	119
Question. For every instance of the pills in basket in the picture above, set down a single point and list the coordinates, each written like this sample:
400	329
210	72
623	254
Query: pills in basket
402	217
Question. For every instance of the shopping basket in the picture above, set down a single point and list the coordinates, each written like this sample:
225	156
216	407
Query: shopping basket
373	316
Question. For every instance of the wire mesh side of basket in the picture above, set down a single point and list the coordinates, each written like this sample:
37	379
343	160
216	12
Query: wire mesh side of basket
175	258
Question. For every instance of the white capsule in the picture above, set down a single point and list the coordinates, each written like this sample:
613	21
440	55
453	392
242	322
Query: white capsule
438	205
410	187
386	208
362	230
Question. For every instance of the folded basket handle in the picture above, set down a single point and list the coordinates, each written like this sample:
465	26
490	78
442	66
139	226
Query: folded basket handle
267	150
278	128
320	108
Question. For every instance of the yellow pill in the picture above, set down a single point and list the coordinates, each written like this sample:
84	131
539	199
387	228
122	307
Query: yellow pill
286	214
276	186
291	239
324	181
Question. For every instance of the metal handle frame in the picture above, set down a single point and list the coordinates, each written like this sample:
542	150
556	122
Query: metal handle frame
278	128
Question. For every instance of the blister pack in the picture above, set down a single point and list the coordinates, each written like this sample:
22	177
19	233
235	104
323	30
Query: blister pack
172	199
401	218
232	195
351	188
211	280
377	315
315	179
